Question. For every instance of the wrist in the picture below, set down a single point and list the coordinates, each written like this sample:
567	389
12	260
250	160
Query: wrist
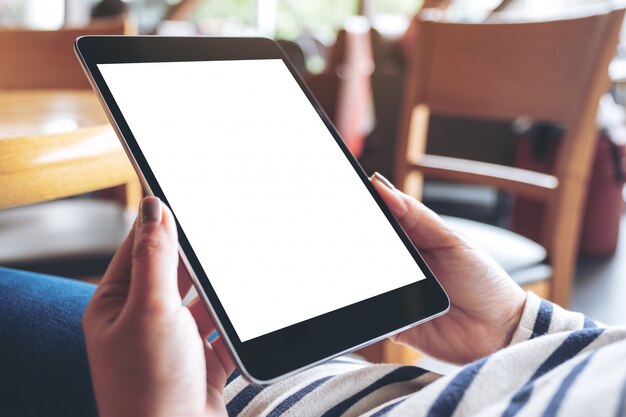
526	313
515	319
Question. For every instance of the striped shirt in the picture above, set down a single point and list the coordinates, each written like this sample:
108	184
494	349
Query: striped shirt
558	363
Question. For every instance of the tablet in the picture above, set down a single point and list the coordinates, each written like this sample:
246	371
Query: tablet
292	250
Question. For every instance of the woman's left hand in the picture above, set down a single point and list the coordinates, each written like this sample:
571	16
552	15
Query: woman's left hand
148	352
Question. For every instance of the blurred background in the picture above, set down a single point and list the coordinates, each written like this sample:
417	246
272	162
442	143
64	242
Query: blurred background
507	117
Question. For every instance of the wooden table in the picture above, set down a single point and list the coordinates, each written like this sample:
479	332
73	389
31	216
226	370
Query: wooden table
56	144
36	112
78	135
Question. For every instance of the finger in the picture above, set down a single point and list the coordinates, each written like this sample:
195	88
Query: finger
118	271
154	272
219	363
184	279
201	316
115	282
220	348
112	291
426	230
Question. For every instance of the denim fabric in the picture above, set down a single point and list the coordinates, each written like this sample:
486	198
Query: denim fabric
43	362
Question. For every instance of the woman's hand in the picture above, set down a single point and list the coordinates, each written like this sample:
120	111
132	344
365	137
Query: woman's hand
148	353
486	303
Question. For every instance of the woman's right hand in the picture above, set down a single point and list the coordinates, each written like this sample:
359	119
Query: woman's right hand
486	304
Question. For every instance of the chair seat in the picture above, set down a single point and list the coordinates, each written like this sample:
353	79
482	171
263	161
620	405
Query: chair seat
520	257
65	229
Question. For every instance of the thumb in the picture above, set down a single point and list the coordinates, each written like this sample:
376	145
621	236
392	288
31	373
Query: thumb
426	229
154	276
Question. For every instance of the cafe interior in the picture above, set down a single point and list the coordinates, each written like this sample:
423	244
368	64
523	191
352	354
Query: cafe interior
505	117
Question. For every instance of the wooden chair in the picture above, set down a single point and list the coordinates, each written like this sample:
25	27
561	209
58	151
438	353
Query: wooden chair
36	59
551	71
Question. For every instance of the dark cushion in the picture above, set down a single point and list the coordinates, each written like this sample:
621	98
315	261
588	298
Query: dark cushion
522	258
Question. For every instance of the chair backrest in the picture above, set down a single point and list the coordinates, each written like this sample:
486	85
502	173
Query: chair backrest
538	69
36	59
551	71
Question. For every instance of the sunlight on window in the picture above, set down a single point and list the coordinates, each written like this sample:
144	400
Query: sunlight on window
227	17
290	18
44	14
321	18
402	7
36	14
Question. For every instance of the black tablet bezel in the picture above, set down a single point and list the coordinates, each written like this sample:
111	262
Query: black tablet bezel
265	359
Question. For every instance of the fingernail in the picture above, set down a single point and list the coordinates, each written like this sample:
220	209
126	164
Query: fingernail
150	210
384	181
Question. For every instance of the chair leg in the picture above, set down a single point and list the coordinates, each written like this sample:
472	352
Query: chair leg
129	194
541	288
561	291
387	351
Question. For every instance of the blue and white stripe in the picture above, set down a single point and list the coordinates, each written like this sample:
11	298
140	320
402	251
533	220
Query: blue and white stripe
559	363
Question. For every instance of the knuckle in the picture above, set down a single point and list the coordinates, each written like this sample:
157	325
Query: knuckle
152	307
150	246
413	206
156	306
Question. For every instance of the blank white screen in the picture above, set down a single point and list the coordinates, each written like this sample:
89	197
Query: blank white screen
280	221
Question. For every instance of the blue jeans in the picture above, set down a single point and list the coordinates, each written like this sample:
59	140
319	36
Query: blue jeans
43	361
